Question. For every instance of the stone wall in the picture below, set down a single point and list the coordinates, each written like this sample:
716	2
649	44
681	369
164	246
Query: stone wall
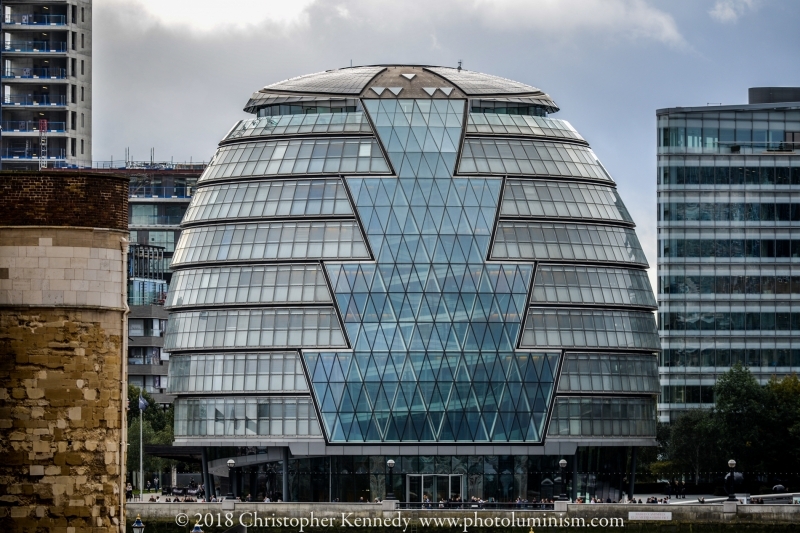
60	417
63	337
64	198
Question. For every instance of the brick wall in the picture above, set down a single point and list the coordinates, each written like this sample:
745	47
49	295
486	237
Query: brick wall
63	198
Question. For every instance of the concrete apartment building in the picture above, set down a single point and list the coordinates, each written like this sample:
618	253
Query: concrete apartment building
728	243
47	84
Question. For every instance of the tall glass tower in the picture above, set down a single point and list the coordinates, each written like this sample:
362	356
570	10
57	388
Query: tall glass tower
728	243
414	263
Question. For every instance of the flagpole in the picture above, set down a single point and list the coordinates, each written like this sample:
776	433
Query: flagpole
141	457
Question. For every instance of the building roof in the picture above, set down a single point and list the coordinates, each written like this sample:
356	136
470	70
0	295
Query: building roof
353	81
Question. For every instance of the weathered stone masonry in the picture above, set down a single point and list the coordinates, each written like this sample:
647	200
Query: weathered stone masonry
62	343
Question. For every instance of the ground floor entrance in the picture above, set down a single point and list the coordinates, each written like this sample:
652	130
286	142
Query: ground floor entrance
421	488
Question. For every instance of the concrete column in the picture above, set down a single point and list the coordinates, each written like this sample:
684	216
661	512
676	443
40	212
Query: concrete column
204	469
285	487
575	476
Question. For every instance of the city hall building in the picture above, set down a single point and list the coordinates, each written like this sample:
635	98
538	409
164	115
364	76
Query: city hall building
412	263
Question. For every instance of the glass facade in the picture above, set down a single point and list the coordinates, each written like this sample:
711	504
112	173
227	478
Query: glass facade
270	241
300	156
728	217
397	272
243	285
266	199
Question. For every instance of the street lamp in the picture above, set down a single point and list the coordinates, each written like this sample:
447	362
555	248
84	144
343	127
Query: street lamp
231	463
390	494
562	464
732	481
138	525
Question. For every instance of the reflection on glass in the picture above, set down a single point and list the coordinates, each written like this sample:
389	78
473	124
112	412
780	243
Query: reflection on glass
603	417
590	328
592	285
237	372
528	198
609	373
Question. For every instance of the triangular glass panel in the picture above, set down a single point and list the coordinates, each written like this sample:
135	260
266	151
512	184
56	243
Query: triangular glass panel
395	90
429	90
408	76
446	90
378	90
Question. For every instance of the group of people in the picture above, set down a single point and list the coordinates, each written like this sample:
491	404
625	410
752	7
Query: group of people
678	488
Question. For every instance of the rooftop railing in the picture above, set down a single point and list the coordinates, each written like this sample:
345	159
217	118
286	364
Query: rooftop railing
34	99
35	46
29	19
35	73
32	126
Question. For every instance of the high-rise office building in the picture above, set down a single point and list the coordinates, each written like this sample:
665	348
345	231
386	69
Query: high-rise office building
159	194
47	84
728	243
410	263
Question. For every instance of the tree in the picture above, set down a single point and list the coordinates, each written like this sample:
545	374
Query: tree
693	442
740	412
782	424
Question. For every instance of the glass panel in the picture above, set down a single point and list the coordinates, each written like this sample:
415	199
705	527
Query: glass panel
521	125
311	123
248	285
536	158
297	156
609	373
592	285
590	328
275	240
274	372
219	417
571	242
603	417
263	199
253	328
528	198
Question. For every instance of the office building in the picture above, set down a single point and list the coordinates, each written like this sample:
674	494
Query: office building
728	243
47	84
410	263
159	194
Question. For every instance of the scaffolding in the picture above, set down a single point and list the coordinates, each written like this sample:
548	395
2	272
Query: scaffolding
42	143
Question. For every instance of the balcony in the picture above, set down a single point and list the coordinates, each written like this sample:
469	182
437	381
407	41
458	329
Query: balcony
35	73
35	46
154	191
25	126
27	155
35	100
29	19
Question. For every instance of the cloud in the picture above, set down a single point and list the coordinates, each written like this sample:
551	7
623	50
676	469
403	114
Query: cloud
729	11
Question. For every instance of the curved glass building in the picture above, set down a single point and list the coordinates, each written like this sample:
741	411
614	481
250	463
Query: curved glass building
414	263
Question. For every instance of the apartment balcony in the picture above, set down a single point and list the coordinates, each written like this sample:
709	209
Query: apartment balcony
37	47
35	73
31	126
34	100
34	20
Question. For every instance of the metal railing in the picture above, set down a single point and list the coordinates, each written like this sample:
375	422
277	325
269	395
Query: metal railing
477	506
36	73
31	156
32	125
34	46
30	19
34	99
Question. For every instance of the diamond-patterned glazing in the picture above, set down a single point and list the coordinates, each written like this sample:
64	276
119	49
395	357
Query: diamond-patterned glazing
432	325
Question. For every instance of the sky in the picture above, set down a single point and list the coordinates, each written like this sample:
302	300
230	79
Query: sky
174	75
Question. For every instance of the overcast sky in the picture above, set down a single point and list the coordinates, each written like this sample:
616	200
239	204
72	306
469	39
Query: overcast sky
174	74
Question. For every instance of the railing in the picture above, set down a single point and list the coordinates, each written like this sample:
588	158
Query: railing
31	156
478	506
34	46
36	73
732	147
34	99
33	125
35	20
156	220
121	164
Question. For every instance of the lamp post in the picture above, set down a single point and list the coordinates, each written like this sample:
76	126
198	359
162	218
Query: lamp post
390	493
732	481
231	463
562	464
138	525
